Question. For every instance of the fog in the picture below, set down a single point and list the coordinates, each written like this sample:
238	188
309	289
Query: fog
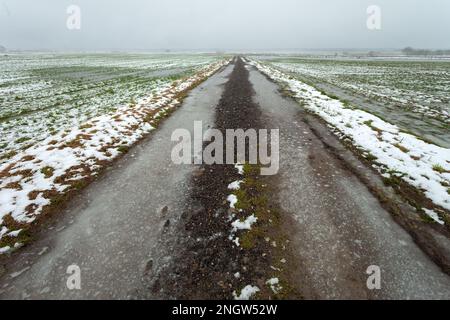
223	24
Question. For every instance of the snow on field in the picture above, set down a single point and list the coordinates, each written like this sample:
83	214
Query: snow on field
414	95
39	175
41	94
395	153
421	87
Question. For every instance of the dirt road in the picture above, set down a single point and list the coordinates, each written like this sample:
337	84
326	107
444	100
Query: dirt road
149	229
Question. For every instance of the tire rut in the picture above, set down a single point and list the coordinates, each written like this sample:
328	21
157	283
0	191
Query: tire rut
208	260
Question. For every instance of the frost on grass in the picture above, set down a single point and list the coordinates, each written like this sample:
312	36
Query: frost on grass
39	175
394	153
246	293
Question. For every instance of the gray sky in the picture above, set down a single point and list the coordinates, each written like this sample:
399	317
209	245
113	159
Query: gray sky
223	24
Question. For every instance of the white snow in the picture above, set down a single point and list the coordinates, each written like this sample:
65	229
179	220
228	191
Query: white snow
232	199
235	185
5	249
274	284
241	225
240	168
433	215
14	233
244	225
396	152
246	293
81	151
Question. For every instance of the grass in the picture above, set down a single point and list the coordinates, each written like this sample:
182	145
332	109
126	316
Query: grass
439	168
123	149
78	185
252	199
369	123
12	225
394	179
47	171
8	155
426	218
402	148
402	90
22	139
370	157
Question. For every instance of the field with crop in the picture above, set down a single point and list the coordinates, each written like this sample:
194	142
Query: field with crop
382	140
412	94
64	118
42	94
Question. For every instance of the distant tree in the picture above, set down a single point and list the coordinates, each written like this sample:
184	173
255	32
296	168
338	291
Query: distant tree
408	51
424	52
2	49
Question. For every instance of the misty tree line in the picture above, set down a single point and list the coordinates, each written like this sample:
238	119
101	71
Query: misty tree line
423	52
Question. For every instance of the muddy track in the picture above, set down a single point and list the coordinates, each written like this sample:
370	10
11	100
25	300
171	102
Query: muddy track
209	260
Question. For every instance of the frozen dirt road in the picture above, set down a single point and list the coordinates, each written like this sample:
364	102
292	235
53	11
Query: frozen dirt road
112	230
149	229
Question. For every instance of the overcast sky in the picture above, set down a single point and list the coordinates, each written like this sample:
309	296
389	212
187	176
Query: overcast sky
223	24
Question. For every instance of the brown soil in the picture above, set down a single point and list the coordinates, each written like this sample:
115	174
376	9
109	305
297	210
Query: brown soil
208	260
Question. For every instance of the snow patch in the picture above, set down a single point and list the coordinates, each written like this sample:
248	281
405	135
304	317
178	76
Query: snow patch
246	293
244	225
232	199
433	215
80	152
5	249
274	284
396	153
235	185
240	168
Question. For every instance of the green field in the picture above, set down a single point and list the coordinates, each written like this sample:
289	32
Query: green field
41	94
412	94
